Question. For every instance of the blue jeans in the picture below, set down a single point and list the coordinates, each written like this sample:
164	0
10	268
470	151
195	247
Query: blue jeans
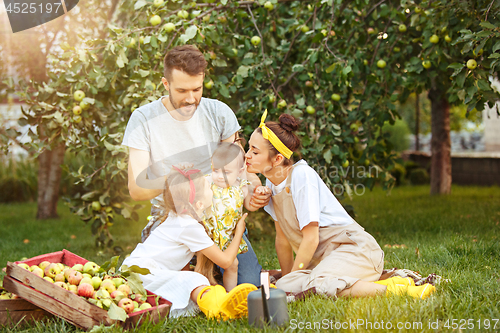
248	265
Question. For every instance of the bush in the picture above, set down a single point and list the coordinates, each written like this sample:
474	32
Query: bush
399	173
18	180
419	176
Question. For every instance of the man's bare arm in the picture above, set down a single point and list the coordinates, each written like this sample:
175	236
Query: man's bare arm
139	187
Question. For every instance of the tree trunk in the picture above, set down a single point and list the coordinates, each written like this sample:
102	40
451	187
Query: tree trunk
417	122
440	143
49	176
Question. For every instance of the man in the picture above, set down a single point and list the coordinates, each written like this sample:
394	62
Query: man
178	128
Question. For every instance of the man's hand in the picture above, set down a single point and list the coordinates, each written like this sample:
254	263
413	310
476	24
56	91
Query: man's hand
260	197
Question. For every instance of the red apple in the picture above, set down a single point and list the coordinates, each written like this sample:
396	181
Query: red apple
127	305
52	270
118	295
124	288
75	277
86	290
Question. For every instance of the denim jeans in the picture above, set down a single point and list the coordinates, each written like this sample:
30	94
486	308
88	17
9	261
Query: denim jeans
248	265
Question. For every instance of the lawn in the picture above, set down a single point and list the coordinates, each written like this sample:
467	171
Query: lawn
454	236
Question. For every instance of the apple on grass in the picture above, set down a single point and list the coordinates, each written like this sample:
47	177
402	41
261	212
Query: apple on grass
126	304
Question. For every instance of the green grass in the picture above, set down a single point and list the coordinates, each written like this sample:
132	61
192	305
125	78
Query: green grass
456	237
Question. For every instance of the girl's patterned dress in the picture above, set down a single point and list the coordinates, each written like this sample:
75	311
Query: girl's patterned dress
227	209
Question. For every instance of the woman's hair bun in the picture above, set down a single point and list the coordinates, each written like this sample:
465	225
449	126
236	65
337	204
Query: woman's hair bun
288	122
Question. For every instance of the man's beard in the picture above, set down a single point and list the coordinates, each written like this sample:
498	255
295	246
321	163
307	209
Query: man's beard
183	109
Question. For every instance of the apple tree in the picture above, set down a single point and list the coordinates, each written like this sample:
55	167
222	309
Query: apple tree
338	66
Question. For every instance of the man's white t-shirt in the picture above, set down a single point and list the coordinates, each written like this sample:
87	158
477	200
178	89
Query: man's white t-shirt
170	142
171	245
313	200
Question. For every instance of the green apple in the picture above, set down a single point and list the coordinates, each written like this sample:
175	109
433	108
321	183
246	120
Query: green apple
354	127
183	14
37	271
108	285
417	10
79	95
268	5
434	39
52	270
209	84
131	43
396	49
427	64
145	306
169	27
447	38
335	97
381	63
96	282
310	109
402	28
84	105
155	20
282	104
91	268
77	110
324	32
255	40
46	278
471	64
44	264
77	267
102	293
365	62
222	19
118	281
25	266
86	280
309	84
345	164
304	28
356	139
96	205
206	18
272	98
158	3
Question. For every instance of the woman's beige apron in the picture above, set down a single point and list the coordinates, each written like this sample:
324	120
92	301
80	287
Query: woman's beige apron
345	254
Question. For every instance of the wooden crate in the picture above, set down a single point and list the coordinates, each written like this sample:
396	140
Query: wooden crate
64	304
16	311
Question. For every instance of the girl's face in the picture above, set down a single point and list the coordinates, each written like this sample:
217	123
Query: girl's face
227	176
258	154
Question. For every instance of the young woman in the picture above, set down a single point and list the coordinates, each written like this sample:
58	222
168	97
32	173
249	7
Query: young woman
334	254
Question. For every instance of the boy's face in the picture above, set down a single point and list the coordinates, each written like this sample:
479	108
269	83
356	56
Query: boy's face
227	176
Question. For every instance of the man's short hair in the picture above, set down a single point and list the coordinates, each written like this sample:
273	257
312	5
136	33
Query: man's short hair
186	58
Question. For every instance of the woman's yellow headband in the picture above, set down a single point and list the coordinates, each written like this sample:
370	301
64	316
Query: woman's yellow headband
275	141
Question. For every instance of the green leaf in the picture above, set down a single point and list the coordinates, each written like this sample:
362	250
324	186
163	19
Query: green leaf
461	78
190	33
330	68
143	73
297	68
139	4
139	270
456	65
117	313
243	71
135	283
483	85
328	156
496	46
220	63
88	195
487	25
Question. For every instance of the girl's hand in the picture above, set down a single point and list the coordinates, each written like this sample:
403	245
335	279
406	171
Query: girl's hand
261	196
240	227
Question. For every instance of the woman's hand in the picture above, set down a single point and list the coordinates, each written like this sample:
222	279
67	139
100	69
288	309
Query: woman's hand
240	227
260	197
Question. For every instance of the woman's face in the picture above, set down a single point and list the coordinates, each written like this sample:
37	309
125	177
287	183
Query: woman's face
258	154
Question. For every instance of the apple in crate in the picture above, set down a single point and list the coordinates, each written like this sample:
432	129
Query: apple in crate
52	270
90	268
75	277
108	285
85	290
127	305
